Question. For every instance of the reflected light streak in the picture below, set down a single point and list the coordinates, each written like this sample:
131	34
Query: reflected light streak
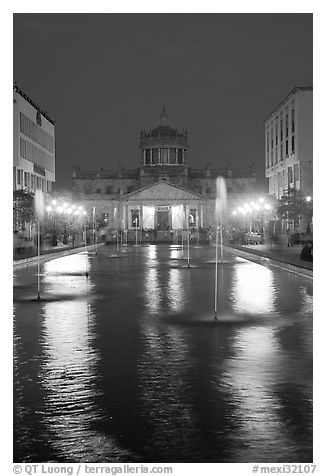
175	291
174	253
253	289
248	381
152	290
68	375
151	254
71	264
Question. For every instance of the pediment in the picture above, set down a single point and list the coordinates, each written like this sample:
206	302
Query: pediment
162	191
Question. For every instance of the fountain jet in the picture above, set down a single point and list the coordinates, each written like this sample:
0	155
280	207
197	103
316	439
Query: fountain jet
220	206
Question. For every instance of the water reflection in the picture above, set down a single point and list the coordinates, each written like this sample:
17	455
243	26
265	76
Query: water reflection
253	289
248	381
174	253
97	378
175	291
166	405
72	264
68	371
152	290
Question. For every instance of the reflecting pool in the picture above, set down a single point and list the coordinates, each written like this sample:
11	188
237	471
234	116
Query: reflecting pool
128	365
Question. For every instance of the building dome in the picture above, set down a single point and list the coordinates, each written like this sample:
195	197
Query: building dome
164	131
163	145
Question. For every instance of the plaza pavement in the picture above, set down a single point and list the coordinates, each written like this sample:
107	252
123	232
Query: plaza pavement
285	254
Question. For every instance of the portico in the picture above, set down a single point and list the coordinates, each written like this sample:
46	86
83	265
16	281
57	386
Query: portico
161	207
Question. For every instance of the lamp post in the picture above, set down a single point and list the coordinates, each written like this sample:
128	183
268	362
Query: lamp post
253	210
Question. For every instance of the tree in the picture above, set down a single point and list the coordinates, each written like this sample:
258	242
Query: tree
293	206
23	211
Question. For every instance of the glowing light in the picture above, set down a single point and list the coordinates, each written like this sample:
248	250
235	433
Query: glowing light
69	211
65	205
177	216
148	217
308	198
77	212
234	212
48	208
84	212
73	207
267	206
80	208
54	202
261	200
59	209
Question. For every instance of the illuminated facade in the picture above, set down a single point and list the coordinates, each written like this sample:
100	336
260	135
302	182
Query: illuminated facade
33	145
164	193
289	144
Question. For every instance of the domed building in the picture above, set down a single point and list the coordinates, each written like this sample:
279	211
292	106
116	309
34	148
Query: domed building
164	194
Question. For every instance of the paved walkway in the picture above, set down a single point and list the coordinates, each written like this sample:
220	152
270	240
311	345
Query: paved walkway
284	254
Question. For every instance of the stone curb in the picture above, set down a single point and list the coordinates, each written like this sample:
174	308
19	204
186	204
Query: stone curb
48	256
258	257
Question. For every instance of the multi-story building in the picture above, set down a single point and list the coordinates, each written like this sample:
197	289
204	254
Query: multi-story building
289	144
33	145
164	192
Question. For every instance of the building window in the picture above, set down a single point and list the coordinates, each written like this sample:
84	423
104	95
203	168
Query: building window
164	156
172	156
292	144
276	134
135	218
36	133
267	142
292	117
147	156
281	152
98	190
296	172
155	156
192	217
48	186
290	175
281	131
32	181
287	126
286	148
108	190
180	156
272	143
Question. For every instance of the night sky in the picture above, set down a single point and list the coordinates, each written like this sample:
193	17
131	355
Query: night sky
103	77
